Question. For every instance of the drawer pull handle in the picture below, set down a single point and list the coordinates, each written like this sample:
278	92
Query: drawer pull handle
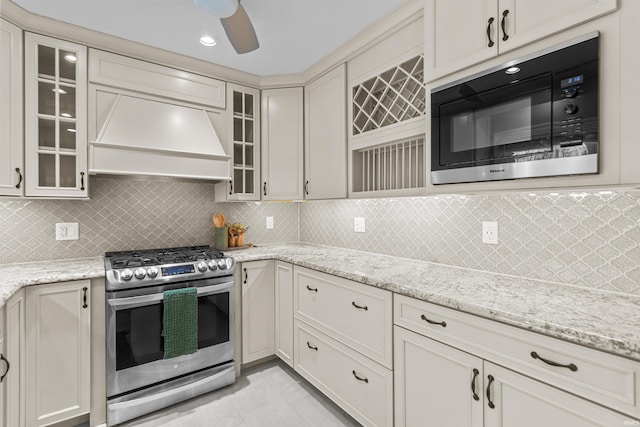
84	297
246	276
264	188
81	181
19	177
489	402
8	367
361	307
433	322
491	43
366	380
570	366
312	289
473	384
503	24
311	347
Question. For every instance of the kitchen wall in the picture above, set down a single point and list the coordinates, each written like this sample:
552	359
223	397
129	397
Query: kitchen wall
589	239
125	214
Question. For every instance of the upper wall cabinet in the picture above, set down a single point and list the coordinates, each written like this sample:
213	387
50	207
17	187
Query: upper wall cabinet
11	139
243	145
387	104
461	33
282	144
325	142
55	117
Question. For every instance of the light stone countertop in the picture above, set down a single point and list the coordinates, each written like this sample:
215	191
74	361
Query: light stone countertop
598	319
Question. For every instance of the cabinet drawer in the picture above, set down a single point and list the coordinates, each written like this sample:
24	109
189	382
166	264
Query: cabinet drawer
355	314
361	387
601	377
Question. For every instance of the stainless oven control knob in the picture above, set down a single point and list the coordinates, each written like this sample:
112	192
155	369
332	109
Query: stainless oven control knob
126	274
229	262
139	273
571	108
202	266
212	265
152	272
222	264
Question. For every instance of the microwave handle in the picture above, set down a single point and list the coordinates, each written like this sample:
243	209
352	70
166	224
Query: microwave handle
142	300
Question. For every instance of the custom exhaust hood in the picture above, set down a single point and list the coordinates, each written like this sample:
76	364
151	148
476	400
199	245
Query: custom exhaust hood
136	135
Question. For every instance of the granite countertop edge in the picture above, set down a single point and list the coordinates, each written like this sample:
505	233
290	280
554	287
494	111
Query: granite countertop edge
489	295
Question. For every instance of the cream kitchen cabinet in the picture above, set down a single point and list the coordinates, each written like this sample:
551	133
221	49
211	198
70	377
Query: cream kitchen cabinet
282	144
243	130
497	375
284	311
55	117
461	33
11	139
58	362
325	141
258	305
13	383
343	343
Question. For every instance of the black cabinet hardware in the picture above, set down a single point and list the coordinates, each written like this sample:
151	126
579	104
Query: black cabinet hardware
433	322
312	289
19	178
570	366
264	188
311	347
491	43
363	379
81	181
361	307
84	297
306	188
230	188
503	24
489	402
473	384
246	275
4	359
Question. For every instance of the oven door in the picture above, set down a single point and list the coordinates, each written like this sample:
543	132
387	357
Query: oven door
134	340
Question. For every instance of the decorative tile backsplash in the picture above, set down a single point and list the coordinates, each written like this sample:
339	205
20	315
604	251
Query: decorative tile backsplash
589	239
125	214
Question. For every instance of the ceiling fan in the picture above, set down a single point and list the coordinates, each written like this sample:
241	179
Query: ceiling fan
235	21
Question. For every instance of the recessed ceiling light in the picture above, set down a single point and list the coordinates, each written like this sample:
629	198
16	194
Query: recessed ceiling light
70	57
512	70
207	41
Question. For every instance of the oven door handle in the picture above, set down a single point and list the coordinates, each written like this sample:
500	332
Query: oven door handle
142	300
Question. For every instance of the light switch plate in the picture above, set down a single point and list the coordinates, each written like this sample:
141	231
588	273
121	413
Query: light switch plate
358	224
67	231
269	223
490	232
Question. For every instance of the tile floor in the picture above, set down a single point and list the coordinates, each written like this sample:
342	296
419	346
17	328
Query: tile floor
268	395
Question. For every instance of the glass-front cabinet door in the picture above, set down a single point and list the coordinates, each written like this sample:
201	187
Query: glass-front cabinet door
244	142
55	117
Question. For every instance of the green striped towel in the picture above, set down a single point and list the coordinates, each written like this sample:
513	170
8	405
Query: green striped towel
180	322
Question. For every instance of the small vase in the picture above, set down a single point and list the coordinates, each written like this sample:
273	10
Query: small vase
232	241
240	240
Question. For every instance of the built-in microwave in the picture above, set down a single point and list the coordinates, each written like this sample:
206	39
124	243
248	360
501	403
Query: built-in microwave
531	117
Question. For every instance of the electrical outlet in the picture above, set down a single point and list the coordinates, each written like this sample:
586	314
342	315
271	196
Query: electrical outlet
269	223
67	231
358	224
490	232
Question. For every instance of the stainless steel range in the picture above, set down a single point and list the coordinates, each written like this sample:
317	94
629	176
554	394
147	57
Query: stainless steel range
139	377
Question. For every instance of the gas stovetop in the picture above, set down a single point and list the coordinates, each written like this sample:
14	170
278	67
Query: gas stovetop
130	269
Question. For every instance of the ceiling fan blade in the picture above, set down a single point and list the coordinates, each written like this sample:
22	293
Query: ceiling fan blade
240	31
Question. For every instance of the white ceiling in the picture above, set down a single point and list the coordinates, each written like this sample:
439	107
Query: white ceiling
293	34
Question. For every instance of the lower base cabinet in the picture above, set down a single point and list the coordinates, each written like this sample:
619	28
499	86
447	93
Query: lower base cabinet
58	338
258	310
14	381
360	386
439	385
284	311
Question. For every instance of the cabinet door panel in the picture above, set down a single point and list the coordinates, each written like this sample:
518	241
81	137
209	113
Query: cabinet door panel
282	144
433	383
284	311
456	34
523	402
15	353
58	352
527	20
258	324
